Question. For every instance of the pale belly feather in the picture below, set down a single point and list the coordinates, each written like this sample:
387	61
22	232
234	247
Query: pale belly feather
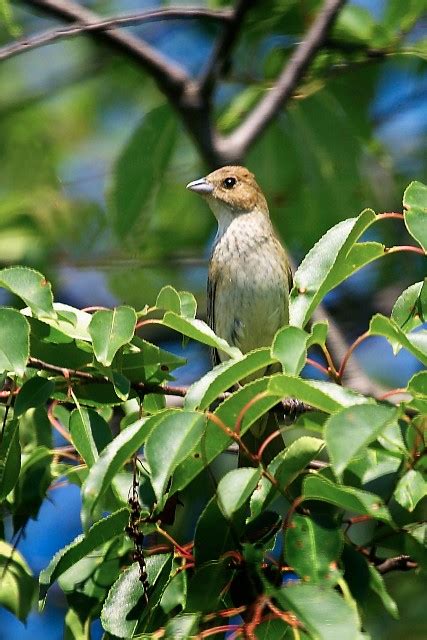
251	293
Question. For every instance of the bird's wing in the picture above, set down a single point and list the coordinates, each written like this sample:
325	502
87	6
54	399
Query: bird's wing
211	313
290	276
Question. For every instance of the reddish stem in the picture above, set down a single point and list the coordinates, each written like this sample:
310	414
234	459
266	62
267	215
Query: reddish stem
383	216
350	350
55	423
406	247
231	434
142	323
248	405
6	394
266	442
183	552
393	392
224	628
318	366
94	308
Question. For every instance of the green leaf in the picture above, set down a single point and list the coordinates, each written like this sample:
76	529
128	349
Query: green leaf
96	394
348	432
208	547
32	287
111	460
206	587
400	16
325	266
235	488
150	364
188	304
119	614
17	585
182	626
325	614
111	329
224	376
14	341
102	531
33	482
89	433
214	440
285	467
69	322
10	457
364	581
199	330
172	440
415	205
168	299
175	593
75	628
290	348
411	488
34	393
140	168
317	487
410	309
312	547
122	609
326	396
6	14
355	24
416	343
417	385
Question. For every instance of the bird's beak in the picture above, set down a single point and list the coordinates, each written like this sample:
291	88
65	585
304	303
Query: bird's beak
201	186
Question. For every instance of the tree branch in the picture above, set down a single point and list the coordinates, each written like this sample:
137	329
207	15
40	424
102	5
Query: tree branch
224	46
170	77
399	563
89	377
288	407
52	35
238	142
172	80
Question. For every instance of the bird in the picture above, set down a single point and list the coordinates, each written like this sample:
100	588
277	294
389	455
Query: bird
249	275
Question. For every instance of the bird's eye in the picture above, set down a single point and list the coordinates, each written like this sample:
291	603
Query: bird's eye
229	183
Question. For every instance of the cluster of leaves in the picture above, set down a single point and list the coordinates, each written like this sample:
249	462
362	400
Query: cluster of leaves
296	161
272	543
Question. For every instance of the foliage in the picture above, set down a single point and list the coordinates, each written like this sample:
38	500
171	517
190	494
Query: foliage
348	459
93	118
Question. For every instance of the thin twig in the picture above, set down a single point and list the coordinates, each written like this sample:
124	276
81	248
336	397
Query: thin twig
408	247
53	35
170	76
85	375
399	563
350	350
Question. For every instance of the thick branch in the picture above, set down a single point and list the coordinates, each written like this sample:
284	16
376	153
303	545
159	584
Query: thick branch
238	142
170	77
158	15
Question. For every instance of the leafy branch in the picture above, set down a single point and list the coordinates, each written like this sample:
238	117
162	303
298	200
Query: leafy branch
191	98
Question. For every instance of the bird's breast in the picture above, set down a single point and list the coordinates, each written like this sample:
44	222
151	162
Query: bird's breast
249	268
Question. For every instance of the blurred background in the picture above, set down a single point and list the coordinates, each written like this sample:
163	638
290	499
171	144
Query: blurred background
94	164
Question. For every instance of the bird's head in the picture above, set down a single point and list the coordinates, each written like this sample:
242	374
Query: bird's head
230	191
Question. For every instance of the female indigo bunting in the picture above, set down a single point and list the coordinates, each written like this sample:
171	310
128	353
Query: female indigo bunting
249	272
